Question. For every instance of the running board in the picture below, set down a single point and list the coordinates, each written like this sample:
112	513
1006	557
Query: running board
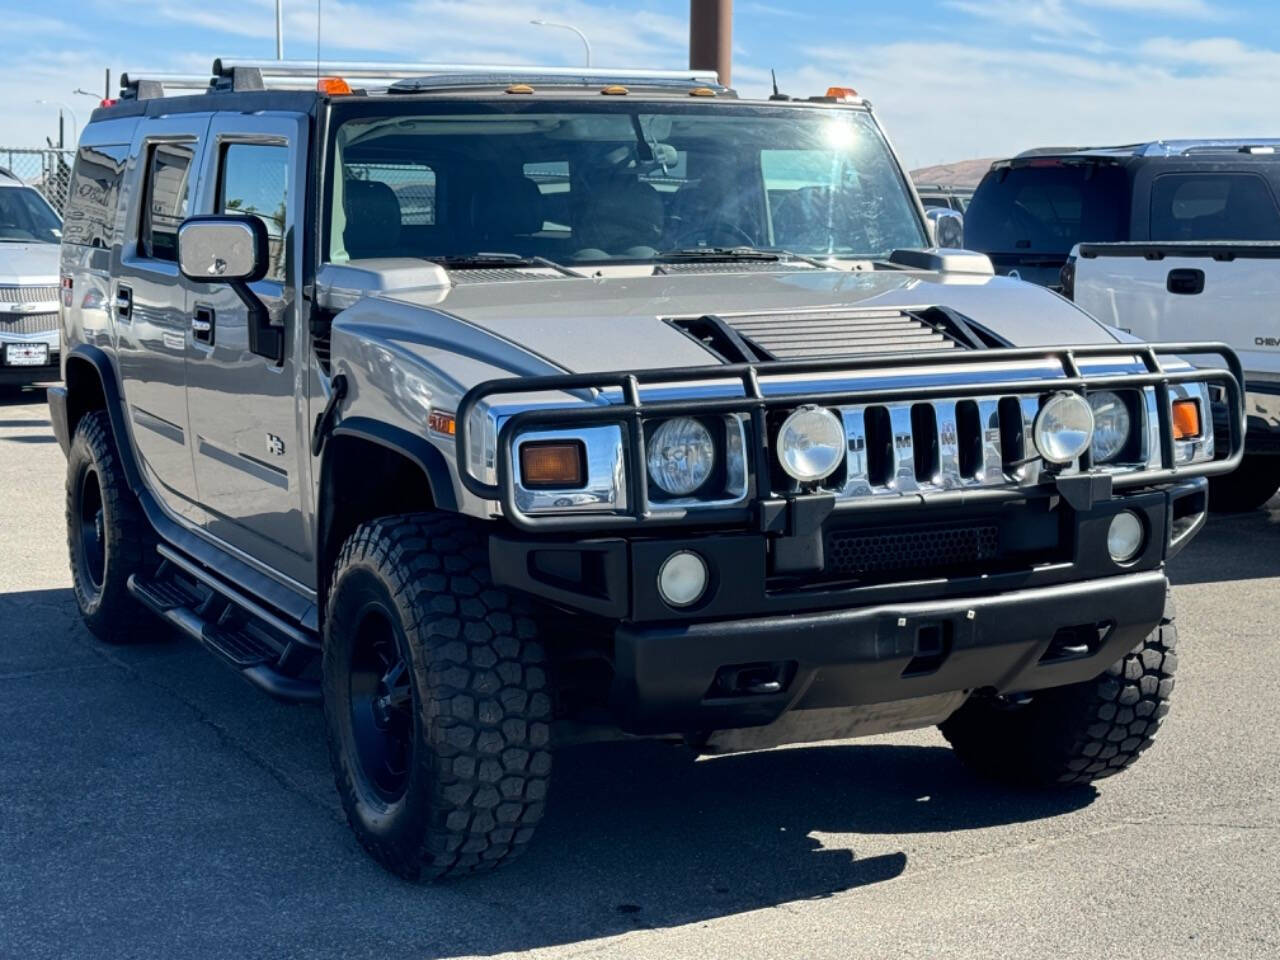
259	645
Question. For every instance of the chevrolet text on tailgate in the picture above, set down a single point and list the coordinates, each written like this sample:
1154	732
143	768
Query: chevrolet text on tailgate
502	408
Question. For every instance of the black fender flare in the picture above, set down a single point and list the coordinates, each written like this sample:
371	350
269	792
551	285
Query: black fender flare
101	363
414	447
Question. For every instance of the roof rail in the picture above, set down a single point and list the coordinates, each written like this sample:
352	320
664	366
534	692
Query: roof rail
243	75
376	70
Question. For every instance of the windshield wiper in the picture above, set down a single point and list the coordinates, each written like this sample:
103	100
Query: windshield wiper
481	261
727	254
735	254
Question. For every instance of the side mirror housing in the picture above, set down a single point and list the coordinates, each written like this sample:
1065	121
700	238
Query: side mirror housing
233	249
947	227
223	249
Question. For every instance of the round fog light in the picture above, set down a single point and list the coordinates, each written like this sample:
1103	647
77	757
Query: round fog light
1124	538
682	580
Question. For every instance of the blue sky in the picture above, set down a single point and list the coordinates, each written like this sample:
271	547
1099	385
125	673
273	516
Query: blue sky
951	79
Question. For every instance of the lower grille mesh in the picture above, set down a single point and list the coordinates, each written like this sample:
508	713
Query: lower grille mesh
861	553
28	322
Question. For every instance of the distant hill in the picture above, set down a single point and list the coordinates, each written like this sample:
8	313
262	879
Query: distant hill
965	173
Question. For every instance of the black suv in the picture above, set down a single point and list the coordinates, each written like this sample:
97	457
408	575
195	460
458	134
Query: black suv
1029	211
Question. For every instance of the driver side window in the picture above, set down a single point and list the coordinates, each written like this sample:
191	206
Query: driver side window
254	179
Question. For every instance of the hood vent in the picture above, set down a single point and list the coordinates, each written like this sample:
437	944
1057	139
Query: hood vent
499	275
821	334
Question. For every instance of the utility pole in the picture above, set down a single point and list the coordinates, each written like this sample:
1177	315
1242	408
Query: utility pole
711	37
279	30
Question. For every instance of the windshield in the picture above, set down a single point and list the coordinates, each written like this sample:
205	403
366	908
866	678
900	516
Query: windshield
582	185
26	218
1048	207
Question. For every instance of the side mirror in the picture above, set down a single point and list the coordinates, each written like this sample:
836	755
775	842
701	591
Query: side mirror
947	228
233	250
223	249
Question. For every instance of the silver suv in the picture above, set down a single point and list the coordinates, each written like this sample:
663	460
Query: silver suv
504	410
30	231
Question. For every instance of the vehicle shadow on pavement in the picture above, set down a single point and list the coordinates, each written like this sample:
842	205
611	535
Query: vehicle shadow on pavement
641	835
1243	546
166	744
11	396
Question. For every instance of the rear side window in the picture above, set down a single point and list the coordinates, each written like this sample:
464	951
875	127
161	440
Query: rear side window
167	192
90	213
1213	206
1048	207
255	180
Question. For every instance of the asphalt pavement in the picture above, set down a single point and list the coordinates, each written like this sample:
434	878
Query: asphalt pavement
152	804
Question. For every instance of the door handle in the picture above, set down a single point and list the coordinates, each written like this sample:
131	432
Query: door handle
124	304
1185	282
202	325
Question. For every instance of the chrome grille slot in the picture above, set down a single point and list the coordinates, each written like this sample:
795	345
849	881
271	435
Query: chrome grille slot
907	448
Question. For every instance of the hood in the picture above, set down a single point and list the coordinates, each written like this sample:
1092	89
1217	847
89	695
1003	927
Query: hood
599	324
33	264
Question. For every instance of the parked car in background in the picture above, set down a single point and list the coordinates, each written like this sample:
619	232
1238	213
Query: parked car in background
945	196
1178	240
1030	210
30	231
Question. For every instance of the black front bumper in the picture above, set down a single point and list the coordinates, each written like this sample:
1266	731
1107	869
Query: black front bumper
666	677
1055	615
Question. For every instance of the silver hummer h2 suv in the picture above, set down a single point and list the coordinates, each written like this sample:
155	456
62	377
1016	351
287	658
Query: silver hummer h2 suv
508	408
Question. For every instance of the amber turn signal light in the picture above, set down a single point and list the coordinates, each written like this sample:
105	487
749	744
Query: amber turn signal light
334	86
552	465
1186	419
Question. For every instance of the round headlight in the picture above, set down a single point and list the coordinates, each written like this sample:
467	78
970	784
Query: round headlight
811	444
681	456
1064	428
1110	425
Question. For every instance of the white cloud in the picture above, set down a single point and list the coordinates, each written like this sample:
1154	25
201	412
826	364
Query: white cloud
1192	9
1046	16
950	101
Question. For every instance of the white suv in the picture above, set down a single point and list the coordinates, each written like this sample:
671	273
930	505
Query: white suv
30	231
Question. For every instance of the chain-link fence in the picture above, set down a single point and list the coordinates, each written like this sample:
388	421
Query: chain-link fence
49	170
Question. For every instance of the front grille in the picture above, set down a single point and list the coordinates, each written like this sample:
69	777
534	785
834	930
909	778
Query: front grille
859	553
28	294
950	444
807	336
28	322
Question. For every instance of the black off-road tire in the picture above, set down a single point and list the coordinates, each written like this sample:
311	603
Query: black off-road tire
108	536
475	708
1247	487
1074	734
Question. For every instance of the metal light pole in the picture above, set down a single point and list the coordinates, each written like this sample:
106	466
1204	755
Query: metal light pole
711	37
567	26
62	106
279	30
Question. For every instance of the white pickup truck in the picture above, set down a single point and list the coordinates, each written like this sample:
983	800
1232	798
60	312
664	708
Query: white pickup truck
1196	290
